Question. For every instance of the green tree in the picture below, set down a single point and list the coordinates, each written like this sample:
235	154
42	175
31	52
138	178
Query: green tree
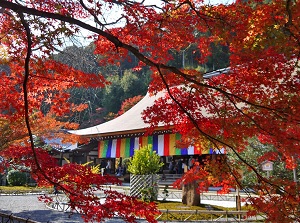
133	84
145	161
144	164
16	178
128	85
113	95
255	154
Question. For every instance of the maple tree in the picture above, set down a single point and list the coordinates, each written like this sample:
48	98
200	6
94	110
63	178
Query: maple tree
129	103
258	95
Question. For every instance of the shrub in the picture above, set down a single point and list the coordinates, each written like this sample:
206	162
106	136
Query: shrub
149	194
16	178
145	161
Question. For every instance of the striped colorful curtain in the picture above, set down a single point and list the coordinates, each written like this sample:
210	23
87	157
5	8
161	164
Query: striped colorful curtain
164	145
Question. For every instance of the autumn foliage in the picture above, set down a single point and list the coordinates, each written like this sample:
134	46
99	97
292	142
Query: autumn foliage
258	96
82	186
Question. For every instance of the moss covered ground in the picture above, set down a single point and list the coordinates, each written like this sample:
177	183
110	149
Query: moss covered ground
22	189
194	216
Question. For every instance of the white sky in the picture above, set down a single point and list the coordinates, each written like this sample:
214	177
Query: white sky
113	13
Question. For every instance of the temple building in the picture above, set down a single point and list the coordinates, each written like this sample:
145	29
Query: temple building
118	138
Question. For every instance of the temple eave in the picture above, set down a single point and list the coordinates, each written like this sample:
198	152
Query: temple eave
128	134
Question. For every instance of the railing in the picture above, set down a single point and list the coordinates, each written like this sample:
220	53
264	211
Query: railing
9	218
168	179
171	194
60	202
218	197
177	194
206	216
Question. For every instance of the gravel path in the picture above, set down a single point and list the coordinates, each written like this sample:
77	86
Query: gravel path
28	207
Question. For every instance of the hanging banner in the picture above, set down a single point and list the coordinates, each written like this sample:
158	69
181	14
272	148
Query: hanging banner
164	145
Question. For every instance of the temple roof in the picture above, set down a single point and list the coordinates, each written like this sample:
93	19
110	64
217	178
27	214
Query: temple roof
130	122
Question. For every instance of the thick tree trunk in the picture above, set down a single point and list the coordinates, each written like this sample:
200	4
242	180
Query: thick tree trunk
190	196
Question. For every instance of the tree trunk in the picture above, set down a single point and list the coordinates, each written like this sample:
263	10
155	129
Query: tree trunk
190	196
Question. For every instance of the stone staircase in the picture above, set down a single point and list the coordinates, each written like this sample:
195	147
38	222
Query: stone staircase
168	179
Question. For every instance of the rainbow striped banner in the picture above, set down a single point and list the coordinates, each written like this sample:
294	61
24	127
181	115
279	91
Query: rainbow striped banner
164	145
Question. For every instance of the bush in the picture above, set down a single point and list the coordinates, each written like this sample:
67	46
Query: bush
149	194
145	161
16	178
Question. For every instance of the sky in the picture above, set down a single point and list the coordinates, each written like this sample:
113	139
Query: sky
111	14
